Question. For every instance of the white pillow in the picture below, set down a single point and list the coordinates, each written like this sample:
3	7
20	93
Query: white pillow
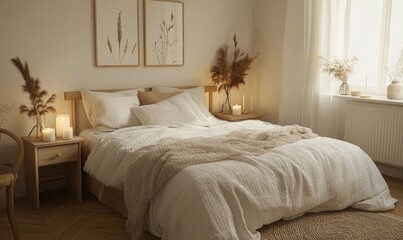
111	110
197	94
174	110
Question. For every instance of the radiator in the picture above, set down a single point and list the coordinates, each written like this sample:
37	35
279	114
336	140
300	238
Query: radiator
377	129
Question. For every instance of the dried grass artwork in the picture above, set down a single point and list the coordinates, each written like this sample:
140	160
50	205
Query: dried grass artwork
163	33
116	33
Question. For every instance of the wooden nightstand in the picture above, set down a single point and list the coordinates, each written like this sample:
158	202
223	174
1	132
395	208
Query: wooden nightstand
236	118
52	165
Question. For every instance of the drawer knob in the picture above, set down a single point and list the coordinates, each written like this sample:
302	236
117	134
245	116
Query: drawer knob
58	154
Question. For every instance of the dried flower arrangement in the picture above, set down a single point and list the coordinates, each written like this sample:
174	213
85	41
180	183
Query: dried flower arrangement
120	38
39	107
396	72
339	68
230	75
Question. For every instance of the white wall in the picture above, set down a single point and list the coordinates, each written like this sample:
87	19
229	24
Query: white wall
57	40
292	82
268	37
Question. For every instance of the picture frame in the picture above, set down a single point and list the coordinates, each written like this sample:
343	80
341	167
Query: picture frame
163	33
116	33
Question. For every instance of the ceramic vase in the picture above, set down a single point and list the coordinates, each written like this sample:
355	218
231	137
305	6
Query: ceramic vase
395	90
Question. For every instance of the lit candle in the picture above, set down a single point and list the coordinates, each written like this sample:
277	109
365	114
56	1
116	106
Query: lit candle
236	109
48	134
62	122
68	133
251	103
243	102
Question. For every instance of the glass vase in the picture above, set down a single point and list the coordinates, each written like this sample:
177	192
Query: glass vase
39	126
344	89
226	106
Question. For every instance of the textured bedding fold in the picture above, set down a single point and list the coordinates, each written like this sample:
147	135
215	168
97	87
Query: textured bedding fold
157	164
232	198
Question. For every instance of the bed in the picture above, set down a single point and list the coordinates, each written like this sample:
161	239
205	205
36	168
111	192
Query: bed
212	179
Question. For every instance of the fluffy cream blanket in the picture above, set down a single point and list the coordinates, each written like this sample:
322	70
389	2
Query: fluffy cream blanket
157	164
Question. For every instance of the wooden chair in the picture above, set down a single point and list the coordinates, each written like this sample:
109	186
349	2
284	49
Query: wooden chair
7	180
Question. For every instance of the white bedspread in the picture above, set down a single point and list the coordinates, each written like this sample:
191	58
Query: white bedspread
231	199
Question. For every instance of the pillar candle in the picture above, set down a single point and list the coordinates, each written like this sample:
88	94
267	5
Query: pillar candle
236	109
68	133
62	122
48	134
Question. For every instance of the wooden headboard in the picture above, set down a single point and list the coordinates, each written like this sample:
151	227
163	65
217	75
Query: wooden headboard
75	96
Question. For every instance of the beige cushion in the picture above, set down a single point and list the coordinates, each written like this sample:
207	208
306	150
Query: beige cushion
6	179
147	98
197	94
172	111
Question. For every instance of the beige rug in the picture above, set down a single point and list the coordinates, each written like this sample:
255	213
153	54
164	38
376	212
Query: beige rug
348	224
341	225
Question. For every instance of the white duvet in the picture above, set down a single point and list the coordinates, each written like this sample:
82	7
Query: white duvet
231	199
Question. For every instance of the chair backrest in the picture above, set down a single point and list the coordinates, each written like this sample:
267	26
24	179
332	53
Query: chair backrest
20	151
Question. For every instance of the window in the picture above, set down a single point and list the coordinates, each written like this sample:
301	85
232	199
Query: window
376	38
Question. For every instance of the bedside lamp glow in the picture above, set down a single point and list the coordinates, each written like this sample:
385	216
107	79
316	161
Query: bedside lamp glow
62	122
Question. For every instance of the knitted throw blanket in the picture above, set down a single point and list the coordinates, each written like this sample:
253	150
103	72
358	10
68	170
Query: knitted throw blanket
157	164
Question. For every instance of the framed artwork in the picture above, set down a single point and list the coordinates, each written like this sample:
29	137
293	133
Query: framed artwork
116	33
163	33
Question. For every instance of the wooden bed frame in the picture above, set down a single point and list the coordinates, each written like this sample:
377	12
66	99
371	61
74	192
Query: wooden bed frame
109	195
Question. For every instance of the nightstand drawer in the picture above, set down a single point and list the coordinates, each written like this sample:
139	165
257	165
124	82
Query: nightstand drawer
58	154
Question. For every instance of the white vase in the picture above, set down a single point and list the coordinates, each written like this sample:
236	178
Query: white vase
395	90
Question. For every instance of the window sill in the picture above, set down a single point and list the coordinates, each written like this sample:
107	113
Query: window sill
374	99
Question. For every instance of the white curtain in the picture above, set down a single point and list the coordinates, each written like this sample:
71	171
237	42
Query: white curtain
325	32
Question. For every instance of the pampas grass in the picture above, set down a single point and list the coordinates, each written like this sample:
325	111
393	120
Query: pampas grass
339	68
230	74
39	107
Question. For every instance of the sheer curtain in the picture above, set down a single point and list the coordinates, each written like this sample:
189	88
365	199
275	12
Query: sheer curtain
325	32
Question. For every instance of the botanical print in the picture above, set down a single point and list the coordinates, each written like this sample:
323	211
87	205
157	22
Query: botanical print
117	33
119	39
163	33
166	41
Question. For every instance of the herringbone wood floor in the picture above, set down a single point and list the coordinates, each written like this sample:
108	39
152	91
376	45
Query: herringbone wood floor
62	218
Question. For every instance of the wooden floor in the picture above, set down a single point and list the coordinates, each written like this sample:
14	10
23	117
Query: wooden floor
63	218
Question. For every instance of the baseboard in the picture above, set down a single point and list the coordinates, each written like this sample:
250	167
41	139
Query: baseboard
390	170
